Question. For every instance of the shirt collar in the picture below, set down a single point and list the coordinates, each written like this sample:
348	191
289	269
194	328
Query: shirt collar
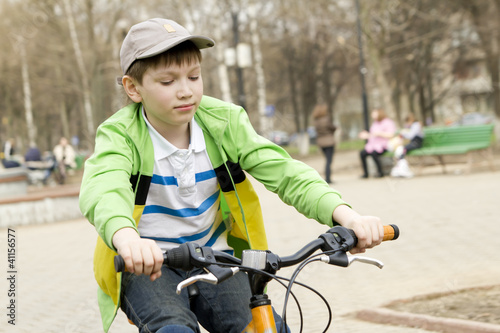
163	148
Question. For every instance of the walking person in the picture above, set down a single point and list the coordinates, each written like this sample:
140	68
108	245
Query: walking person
325	138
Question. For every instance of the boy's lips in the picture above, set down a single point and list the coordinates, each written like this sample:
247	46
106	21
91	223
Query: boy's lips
185	107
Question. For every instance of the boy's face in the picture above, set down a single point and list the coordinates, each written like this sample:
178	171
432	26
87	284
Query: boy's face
170	95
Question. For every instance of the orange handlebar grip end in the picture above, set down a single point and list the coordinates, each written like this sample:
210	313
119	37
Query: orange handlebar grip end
391	232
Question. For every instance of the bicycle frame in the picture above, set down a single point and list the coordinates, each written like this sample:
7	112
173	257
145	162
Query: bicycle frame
262	320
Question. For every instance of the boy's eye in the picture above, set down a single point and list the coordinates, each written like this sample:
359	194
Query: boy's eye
194	77
166	83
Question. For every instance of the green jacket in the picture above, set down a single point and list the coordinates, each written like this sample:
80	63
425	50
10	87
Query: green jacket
117	177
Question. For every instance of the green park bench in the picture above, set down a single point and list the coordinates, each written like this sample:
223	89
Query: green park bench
457	140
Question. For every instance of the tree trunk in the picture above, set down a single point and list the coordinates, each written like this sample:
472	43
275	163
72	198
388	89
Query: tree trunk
422	100
289	55
490	39
31	127
430	95
382	84
62	108
495	81
265	127
87	105
396	100
308	85
225	87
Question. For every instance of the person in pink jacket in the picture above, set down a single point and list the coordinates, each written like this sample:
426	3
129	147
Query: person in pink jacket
381	130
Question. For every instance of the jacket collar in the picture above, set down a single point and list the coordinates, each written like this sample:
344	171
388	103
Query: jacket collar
211	116
217	117
137	130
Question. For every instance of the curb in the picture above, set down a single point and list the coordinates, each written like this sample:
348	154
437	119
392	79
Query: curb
426	322
41	205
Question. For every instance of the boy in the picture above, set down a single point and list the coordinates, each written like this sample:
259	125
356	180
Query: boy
168	169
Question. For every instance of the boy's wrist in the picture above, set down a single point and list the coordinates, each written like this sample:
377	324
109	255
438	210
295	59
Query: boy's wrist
344	215
112	226
123	236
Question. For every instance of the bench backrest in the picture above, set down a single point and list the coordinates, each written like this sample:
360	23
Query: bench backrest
458	135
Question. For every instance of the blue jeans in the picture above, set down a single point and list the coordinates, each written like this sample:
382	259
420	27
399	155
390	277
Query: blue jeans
155	306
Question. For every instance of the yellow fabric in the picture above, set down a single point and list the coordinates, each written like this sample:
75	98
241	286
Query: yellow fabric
104	272
253	232
107	278
138	209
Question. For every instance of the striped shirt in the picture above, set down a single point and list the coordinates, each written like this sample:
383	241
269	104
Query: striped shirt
183	199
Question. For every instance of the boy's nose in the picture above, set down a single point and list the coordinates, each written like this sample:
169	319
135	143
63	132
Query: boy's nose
184	90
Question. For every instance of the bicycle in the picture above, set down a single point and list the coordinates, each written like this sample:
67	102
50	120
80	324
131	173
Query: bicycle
262	266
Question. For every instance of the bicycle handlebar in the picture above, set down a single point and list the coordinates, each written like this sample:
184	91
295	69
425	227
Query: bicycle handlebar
261	266
337	241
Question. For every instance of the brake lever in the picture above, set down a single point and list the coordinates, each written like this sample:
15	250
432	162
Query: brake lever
365	260
345	260
208	278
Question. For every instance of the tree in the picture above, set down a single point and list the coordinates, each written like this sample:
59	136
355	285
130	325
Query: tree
317	65
484	15
309	55
19	42
411	52
87	104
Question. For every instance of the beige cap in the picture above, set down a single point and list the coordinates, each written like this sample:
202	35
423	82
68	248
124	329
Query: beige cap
154	36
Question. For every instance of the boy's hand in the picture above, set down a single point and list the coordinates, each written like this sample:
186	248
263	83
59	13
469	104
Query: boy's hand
368	229
141	256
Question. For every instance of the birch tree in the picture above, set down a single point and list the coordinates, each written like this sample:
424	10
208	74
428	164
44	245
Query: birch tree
32	130
87	105
220	47
19	40
265	126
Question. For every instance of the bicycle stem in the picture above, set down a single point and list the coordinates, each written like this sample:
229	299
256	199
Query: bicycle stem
262	261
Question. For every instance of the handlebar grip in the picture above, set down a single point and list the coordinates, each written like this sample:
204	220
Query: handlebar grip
179	257
119	264
175	258
391	232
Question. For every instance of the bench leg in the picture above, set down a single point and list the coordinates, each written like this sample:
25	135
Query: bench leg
416	163
441	161
420	166
486	153
469	161
490	158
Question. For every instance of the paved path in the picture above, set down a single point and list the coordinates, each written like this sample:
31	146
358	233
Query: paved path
449	240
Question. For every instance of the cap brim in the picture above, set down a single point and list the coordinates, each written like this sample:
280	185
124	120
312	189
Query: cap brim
200	41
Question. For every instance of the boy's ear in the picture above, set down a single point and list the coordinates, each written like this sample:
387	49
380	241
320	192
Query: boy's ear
130	87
